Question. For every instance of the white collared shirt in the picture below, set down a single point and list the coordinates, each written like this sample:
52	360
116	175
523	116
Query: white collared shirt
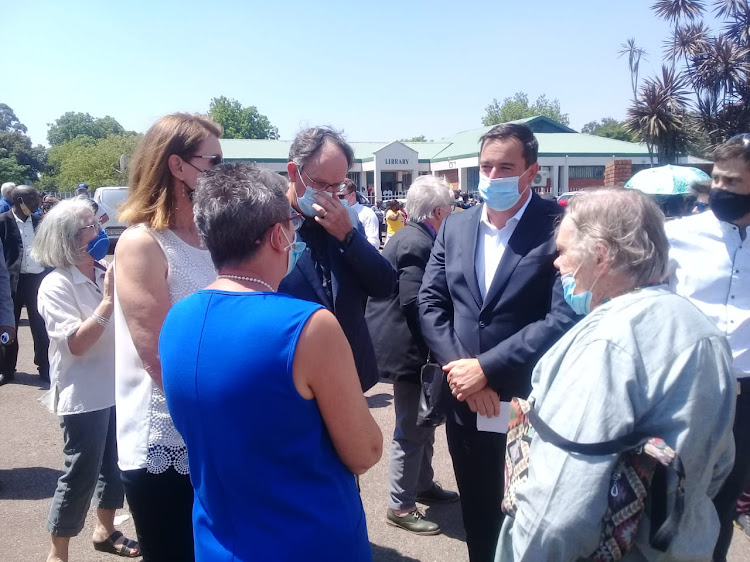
83	383
369	221
491	246
709	263
26	228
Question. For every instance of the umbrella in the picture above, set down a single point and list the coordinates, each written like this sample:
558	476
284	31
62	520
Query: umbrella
666	180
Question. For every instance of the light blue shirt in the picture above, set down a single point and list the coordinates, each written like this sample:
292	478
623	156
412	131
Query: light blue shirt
647	361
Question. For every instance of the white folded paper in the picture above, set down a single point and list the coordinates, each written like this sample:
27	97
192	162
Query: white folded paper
498	424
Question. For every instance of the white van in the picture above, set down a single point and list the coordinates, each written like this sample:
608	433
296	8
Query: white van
109	199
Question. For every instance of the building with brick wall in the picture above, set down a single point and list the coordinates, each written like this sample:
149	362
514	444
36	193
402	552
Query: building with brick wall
568	160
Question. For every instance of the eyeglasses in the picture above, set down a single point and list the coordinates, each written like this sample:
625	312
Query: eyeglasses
295	218
321	186
215	159
744	137
96	226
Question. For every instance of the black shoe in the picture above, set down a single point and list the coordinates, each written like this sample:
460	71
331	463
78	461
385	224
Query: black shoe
6	378
44	374
743	522
436	494
413	522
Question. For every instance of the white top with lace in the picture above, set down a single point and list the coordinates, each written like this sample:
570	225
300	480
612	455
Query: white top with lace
146	434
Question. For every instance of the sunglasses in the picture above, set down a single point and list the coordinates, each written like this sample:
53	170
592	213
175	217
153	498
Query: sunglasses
214	159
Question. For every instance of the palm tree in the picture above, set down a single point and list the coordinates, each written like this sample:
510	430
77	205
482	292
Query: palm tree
659	117
635	54
676	10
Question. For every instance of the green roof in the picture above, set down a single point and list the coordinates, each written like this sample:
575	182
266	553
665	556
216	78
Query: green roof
555	139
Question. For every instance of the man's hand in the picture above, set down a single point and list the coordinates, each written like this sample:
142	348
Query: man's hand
333	216
11	331
485	402
465	377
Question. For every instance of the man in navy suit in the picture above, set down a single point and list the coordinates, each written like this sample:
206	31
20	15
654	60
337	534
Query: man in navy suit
491	304
339	268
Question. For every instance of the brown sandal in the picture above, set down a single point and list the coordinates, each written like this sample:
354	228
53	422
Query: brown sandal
128	548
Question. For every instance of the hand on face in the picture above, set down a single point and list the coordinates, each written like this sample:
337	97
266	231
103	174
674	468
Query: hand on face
332	215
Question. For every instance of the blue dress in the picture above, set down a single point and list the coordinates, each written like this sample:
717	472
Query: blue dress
268	482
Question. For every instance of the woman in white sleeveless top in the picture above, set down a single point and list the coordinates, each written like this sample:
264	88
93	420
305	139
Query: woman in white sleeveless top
158	261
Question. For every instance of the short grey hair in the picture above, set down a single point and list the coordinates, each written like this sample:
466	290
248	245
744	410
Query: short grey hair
57	241
310	141
629	224
235	204
425	195
7	189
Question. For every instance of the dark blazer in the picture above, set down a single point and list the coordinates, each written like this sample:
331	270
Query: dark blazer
13	245
394	320
357	272
524	312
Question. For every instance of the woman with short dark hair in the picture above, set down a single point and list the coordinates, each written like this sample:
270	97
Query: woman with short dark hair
263	389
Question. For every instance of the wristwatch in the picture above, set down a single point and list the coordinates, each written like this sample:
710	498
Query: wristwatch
347	241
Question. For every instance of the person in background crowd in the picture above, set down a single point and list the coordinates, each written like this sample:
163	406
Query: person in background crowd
490	305
366	216
394	218
701	191
75	300
17	232
7	318
48	201
6	202
158	261
82	190
339	268
401	352
265	408
710	265
643	361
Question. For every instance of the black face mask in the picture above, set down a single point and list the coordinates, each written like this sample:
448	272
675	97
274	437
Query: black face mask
728	206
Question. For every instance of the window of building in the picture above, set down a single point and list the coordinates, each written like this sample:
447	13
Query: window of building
586	172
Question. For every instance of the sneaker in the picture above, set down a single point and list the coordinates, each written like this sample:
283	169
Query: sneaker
436	494
413	522
743	522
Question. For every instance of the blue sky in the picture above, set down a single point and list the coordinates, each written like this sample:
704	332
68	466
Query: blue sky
378	70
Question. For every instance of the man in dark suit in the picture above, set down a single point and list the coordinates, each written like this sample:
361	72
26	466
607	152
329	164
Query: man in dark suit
339	268
491	304
401	353
17	230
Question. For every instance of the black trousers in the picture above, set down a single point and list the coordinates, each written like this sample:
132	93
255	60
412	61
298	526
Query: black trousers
162	509
479	464
725	501
25	295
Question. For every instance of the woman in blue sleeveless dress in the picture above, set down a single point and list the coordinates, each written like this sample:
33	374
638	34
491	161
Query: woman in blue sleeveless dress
263	389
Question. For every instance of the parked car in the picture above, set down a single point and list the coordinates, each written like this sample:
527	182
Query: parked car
109	199
564	197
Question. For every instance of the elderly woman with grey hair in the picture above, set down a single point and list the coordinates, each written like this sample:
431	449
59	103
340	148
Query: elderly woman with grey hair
264	391
643	361
393	322
76	302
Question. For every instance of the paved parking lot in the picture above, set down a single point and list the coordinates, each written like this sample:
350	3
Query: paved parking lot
31	458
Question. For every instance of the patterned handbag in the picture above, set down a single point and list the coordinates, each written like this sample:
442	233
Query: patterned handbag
639	482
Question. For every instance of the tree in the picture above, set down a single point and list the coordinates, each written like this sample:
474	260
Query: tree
9	121
73	124
713	71
610	128
85	159
19	161
517	107
420	138
241	122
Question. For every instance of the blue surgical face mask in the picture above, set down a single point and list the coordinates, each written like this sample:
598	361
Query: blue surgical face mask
97	247
296	248
580	303
500	193
305	202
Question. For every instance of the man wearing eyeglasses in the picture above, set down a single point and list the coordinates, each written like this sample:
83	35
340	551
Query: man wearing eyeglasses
710	265
17	232
339	268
